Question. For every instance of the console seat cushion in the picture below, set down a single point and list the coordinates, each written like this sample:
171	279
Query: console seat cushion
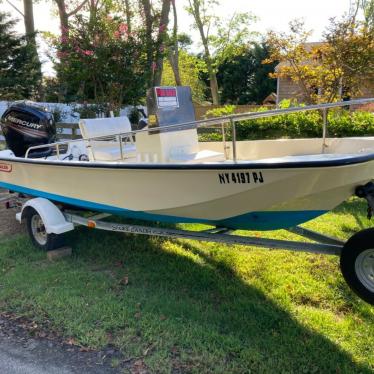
107	150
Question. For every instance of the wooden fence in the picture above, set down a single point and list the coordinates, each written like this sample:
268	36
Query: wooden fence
68	131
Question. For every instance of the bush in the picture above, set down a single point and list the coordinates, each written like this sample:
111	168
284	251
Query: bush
92	110
222	111
134	116
341	123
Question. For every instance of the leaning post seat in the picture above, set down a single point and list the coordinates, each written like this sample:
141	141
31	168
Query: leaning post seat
107	150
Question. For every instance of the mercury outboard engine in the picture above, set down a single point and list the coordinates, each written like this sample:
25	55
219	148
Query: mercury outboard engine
26	124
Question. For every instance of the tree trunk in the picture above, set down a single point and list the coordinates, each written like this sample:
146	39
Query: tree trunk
212	73
162	33
214	88
93	4
64	27
148	39
195	7
31	40
128	15
174	49
64	15
155	51
173	60
29	19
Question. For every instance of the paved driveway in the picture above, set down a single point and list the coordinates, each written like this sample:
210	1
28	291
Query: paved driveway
22	354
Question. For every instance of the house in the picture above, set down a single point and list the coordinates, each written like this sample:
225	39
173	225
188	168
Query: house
289	89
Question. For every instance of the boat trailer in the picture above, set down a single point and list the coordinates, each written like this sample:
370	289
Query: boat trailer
325	245
47	222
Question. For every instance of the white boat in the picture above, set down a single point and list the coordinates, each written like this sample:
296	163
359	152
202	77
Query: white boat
169	176
163	173
263	194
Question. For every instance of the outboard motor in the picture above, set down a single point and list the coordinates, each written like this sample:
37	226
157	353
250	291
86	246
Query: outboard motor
26	124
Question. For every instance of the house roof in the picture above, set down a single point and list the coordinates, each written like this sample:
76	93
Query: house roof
272	98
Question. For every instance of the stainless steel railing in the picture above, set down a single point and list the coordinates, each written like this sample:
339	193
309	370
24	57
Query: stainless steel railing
231	119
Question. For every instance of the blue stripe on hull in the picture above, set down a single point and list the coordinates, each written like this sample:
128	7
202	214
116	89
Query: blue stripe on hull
267	220
271	220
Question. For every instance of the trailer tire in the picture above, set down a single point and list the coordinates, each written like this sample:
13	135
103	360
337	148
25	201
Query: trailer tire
357	264
38	234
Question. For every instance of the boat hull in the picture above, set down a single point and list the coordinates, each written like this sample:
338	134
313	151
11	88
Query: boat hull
254	196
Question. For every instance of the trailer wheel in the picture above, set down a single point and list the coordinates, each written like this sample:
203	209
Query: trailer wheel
38	234
357	264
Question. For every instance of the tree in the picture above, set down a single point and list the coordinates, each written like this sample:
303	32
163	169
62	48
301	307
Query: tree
101	61
161	42
349	50
173	48
190	70
128	12
367	8
28	17
233	36
30	33
325	71
19	72
297	61
203	22
221	39
65	14
244	78
31	40
155	19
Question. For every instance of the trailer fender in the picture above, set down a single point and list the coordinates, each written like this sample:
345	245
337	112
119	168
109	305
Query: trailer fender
54	221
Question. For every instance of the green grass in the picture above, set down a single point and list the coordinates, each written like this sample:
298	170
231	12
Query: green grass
186	306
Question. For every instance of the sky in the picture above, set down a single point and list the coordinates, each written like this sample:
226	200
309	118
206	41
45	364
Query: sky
272	14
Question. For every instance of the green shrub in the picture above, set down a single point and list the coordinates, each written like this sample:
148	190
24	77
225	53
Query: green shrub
341	123
219	112
92	110
134	116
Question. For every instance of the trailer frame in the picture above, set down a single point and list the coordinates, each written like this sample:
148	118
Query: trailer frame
323	244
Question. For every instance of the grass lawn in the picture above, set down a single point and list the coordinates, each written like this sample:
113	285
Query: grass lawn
185	306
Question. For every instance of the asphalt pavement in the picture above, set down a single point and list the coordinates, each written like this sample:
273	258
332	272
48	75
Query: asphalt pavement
23	354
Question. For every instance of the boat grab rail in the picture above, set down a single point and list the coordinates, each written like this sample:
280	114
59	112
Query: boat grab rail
232	119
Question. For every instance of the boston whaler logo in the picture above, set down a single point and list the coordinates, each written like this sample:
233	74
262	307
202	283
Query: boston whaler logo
5	167
21	122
